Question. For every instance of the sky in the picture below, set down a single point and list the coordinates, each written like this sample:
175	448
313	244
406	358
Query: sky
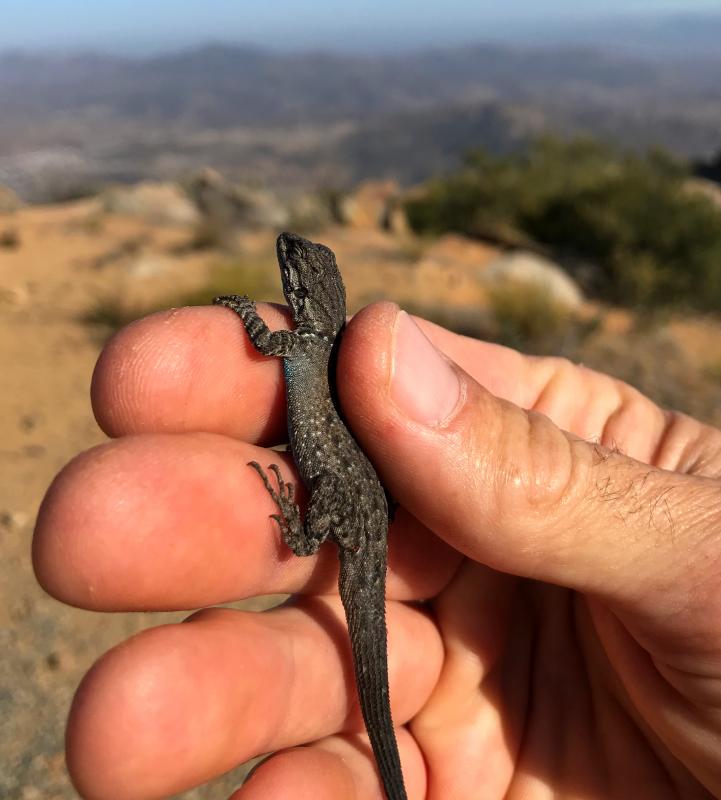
146	25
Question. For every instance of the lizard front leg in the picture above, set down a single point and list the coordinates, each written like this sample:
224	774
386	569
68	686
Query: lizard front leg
267	342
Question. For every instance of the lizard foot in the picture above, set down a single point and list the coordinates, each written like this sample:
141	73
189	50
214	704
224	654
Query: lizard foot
289	521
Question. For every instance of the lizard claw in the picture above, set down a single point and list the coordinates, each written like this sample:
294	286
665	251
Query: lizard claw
281	483
289	517
271	491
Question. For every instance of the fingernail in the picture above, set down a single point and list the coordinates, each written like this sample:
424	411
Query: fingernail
424	385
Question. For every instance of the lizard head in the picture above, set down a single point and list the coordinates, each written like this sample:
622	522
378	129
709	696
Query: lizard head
312	284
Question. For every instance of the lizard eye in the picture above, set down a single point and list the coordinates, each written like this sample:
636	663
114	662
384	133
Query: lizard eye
301	293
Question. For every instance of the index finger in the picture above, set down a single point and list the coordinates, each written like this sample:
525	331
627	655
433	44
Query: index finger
194	369
190	370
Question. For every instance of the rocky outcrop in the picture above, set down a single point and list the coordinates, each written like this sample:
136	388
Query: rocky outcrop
374	204
233	206
528	269
52	175
155	202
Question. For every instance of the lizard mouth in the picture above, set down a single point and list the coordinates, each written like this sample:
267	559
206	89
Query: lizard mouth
282	245
289	246
285	243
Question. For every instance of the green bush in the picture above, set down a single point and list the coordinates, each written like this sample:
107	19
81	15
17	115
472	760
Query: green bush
651	240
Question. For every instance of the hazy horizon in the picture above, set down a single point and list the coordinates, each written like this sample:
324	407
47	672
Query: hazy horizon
134	28
399	100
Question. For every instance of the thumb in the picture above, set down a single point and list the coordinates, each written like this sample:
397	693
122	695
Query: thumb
508	488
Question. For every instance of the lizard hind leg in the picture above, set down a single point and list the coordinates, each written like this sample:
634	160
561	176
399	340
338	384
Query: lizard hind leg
299	537
335	509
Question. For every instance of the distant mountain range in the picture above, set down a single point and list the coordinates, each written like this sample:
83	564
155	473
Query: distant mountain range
322	118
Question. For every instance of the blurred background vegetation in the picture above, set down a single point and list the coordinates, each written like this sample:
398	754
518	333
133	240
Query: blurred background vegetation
629	225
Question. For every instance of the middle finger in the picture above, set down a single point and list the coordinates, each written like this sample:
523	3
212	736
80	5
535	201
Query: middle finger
180	521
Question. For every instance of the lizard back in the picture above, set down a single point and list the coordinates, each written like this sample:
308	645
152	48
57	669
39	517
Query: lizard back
347	503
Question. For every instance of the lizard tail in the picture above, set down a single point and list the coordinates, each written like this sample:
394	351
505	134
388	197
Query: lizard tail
364	604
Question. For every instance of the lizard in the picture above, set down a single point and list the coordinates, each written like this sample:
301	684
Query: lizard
347	503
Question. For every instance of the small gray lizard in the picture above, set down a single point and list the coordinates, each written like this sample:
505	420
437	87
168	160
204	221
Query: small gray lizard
347	502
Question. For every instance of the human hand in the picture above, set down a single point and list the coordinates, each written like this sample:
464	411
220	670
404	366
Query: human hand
570	644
